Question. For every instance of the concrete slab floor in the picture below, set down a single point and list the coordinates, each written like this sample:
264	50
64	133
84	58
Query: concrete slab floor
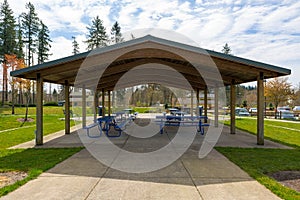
84	177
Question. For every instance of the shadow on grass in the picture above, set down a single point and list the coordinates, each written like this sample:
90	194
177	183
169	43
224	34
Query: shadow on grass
32	161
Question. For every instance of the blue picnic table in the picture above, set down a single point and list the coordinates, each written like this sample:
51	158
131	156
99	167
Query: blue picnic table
172	120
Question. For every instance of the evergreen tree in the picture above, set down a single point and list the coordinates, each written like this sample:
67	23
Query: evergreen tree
97	36
7	30
75	46
20	45
116	35
30	28
226	49
43	43
7	42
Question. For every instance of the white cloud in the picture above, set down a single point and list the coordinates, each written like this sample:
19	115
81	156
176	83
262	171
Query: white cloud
267	31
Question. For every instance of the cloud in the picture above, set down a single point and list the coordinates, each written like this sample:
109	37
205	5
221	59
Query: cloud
267	31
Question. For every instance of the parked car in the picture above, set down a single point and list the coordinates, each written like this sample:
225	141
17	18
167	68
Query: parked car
284	108
242	112
253	110
173	110
285	114
61	103
296	110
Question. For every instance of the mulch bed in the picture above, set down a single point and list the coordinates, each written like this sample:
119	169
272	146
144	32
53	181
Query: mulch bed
289	179
8	178
22	120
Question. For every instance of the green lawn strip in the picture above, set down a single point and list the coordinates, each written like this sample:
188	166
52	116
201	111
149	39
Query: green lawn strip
277	134
11	121
260	162
32	161
32	110
52	124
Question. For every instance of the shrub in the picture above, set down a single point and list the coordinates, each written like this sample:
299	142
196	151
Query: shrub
51	104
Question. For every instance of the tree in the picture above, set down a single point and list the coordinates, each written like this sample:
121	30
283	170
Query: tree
97	36
7	41
43	43
116	35
251	97
30	28
19	45
296	99
13	63
75	46
278	91
7	30
226	49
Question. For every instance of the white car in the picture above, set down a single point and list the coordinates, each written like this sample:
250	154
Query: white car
253	110
285	114
296	108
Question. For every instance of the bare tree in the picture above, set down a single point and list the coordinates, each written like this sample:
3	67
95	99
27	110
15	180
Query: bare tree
278	91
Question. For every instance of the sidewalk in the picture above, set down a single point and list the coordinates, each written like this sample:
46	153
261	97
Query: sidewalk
214	177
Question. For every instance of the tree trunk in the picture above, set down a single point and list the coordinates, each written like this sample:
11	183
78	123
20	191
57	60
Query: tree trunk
50	92
13	99
276	111
26	110
33	92
3	91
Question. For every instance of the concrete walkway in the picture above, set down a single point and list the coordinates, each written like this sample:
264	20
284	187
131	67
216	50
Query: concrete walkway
84	177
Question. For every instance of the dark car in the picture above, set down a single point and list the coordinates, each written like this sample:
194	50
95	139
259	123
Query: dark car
61	103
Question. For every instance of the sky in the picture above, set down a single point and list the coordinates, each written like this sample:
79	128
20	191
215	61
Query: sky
263	30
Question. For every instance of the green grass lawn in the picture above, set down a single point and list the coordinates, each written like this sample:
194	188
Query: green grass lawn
32	161
279	131
258	163
52	123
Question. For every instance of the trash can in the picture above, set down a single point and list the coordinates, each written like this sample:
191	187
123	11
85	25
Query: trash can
200	110
100	110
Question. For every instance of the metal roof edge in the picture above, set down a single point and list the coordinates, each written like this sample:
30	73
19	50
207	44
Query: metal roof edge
50	63
222	55
250	62
82	55
150	38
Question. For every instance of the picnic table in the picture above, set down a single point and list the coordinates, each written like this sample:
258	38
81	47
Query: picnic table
105	123
173	120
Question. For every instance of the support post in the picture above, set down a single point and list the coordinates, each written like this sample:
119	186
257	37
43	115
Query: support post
205	103
216	106
67	107
197	97
83	106
192	103
260	109
103	102
232	107
109	103
39	110
96	104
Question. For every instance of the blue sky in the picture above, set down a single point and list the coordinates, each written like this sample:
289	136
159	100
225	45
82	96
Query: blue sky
262	30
